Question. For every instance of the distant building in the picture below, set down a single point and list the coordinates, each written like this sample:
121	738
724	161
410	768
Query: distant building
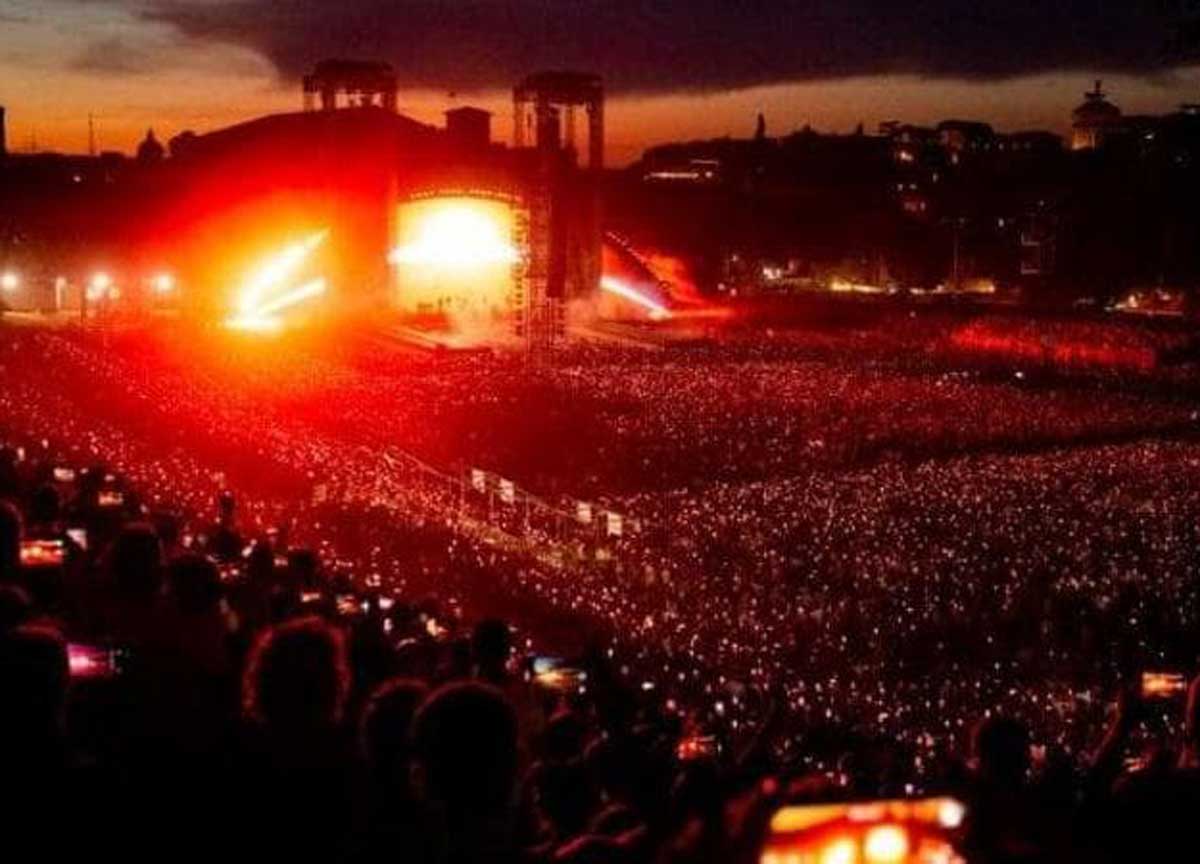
1095	121
910	144
1035	142
181	143
469	128
965	136
150	150
338	84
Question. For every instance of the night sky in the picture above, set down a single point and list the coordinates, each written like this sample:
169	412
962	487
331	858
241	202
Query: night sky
675	69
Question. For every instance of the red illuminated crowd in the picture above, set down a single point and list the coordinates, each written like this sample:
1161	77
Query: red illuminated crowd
884	582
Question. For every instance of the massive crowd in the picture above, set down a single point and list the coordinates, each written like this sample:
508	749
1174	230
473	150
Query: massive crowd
835	570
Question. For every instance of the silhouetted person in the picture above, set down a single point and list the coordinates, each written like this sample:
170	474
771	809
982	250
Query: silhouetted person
251	597
561	779
45	511
197	623
303	570
135	570
392	820
15	607
33	679
466	746
372	655
35	772
295	785
1001	806
491	645
385	730
10	476
10	542
491	649
224	542
1152	809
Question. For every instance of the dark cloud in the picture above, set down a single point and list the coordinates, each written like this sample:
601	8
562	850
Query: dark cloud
112	56
657	45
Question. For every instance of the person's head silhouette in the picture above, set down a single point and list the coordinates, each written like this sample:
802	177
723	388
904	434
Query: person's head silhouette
465	736
1001	750
297	678
135	561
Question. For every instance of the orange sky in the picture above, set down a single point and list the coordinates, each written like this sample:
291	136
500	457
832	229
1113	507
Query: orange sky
55	69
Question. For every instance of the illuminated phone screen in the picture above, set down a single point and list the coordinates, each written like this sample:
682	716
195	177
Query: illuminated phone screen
41	553
870	832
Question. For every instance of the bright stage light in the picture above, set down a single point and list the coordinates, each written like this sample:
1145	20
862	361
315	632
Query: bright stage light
886	844
841	851
276	271
454	262
620	288
100	286
457	235
266	317
10	281
267	293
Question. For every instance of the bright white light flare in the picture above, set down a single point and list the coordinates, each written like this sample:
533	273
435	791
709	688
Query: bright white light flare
620	288
457	236
276	271
266	317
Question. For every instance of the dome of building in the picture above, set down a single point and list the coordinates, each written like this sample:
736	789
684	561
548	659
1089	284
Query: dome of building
1093	120
150	150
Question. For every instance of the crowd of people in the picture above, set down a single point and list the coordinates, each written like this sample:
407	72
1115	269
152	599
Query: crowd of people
1074	344
850	576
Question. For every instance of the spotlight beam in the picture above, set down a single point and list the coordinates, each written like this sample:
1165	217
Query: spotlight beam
620	288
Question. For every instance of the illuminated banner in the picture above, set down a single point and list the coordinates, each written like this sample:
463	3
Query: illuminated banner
583	512
613	524
508	492
478	480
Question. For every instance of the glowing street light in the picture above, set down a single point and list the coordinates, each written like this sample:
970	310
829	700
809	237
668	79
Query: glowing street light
10	281
163	283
